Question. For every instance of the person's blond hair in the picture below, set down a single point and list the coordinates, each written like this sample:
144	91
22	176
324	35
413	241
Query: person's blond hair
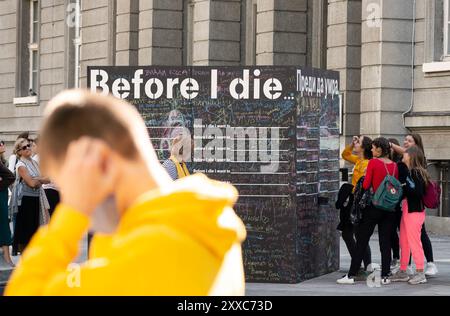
20	142
73	114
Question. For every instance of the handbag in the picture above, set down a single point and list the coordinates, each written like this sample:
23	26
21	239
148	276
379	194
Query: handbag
363	199
366	199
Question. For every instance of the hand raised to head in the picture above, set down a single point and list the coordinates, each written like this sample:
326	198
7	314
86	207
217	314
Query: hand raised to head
87	176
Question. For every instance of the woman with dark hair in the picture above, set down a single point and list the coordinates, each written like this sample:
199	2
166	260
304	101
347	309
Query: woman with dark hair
413	216
377	169
395	242
416	140
6	179
361	146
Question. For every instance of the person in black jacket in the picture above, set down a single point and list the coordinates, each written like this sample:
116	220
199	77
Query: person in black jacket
416	140
413	217
6	179
395	241
361	146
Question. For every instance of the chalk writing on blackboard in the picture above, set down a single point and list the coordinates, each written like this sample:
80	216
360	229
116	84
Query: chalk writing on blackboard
280	149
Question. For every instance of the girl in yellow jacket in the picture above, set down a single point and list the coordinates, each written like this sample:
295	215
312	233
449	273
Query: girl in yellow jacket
359	152
362	147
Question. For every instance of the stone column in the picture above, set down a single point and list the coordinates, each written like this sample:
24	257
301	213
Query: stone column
281	32
386	75
344	55
318	37
160	32
52	50
127	27
97	35
216	33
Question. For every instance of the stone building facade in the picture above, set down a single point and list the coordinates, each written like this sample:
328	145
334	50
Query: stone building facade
393	55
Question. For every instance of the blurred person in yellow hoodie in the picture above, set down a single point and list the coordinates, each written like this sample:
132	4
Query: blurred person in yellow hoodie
166	238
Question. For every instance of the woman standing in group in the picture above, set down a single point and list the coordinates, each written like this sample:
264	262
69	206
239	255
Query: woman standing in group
50	189
377	169
416	140
395	242
6	179
362	147
176	165
28	200
413	216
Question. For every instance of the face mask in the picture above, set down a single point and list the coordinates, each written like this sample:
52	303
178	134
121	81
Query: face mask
105	218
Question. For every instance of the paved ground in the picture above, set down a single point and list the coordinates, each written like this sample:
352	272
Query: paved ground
326	285
5	270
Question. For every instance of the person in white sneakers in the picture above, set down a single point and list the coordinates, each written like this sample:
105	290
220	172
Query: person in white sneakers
413	217
416	140
377	170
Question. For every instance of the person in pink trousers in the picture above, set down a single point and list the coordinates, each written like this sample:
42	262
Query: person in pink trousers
414	184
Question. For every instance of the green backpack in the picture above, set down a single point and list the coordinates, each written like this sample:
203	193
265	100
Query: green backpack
389	192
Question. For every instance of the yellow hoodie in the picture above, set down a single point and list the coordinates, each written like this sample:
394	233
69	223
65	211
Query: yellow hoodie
186	241
360	164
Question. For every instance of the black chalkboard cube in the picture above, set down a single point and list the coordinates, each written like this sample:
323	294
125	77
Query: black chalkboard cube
289	214
271	131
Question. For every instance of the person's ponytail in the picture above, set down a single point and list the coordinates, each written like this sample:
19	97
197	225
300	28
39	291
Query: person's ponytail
417	162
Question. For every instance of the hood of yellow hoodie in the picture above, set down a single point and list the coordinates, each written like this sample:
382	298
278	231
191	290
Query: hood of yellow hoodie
196	206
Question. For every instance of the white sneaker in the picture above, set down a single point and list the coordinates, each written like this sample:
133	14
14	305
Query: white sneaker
346	280
395	263
410	270
431	269
399	276
395	266
395	269
385	281
419	278
372	267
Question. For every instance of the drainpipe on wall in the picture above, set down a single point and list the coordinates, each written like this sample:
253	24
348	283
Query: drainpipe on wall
441	180
412	65
445	203
77	43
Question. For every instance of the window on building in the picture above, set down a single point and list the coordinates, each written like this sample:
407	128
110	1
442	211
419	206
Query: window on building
249	11
434	30
27	49
188	28
447	29
73	42
33	46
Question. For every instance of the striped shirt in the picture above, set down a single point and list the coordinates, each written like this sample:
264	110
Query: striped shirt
171	169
